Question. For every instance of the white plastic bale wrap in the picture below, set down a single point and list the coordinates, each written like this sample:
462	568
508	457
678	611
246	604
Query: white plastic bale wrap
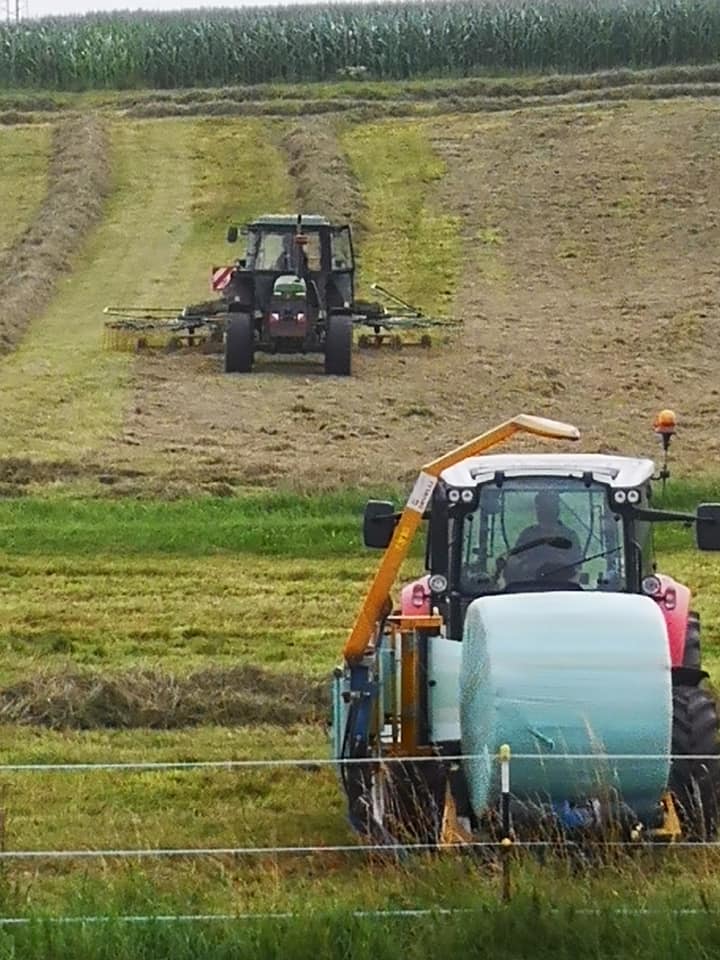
566	672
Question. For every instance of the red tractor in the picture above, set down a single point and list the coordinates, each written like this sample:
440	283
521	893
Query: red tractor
541	622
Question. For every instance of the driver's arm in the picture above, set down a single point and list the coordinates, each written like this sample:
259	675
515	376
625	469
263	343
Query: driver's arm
526	536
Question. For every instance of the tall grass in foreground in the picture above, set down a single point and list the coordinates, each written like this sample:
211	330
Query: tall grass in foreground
527	929
390	40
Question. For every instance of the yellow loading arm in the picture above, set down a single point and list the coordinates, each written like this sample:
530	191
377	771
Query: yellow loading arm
370	613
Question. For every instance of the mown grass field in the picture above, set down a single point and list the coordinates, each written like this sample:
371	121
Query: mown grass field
80	417
113	617
62	374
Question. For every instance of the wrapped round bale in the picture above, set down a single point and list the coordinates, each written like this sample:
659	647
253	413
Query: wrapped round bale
567	673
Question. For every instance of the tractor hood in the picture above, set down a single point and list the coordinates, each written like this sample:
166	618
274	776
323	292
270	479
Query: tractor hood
563	678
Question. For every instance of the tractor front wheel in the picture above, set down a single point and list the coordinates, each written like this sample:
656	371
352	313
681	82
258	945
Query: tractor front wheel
691	656
695	783
239	344
338	346
403	803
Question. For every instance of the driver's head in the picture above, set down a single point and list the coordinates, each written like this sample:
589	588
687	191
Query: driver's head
547	507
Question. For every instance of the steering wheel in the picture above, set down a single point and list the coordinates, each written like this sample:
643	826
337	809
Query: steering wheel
559	543
551	570
520	569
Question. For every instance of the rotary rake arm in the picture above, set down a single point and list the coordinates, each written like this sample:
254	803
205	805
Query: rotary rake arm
133	326
394	324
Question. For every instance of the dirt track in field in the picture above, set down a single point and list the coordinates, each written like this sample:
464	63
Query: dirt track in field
590	293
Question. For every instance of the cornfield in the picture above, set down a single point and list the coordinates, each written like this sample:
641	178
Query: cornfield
382	40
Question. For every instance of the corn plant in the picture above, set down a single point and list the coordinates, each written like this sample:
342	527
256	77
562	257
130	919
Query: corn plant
383	40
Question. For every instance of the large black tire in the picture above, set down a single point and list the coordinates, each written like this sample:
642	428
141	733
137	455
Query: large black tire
692	656
239	344
338	346
695	784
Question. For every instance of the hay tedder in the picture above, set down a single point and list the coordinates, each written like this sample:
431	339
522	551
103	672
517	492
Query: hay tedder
292	292
541	632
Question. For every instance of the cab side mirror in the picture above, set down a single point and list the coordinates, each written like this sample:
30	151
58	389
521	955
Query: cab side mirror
707	527
378	523
232	234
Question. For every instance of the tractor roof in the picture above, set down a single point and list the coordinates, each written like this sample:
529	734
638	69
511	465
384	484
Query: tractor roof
615	471
290	220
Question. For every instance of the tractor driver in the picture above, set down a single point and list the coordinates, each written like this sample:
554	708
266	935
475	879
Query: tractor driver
533	557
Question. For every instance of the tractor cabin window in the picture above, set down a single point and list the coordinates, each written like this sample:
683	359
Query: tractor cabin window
342	258
541	532
274	251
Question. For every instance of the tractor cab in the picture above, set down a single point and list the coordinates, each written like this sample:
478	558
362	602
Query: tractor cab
313	248
538	523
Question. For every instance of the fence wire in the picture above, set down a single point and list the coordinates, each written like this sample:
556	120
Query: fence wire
314	763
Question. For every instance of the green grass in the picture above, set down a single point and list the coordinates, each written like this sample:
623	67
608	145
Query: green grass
178	615
279	524
114	601
24	156
267	524
531	928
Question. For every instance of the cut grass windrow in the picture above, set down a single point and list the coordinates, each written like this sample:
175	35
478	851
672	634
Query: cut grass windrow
24	161
78	181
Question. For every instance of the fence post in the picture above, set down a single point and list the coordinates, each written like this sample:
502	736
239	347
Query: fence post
506	841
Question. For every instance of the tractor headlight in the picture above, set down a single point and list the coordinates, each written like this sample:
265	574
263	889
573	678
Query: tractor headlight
633	496
619	496
651	586
437	583
454	496
467	496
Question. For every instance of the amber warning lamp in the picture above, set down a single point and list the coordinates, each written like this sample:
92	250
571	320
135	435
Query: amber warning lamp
664	426
665	423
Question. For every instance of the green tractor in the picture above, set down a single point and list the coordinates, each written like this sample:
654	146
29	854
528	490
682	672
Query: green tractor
292	292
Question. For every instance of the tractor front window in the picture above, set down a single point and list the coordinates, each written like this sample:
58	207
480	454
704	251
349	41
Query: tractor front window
541	531
312	251
342	255
274	251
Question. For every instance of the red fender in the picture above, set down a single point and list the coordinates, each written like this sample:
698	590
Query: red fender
674	602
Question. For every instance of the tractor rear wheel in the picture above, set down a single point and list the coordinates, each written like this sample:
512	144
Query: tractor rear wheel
338	346
695	784
239	344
